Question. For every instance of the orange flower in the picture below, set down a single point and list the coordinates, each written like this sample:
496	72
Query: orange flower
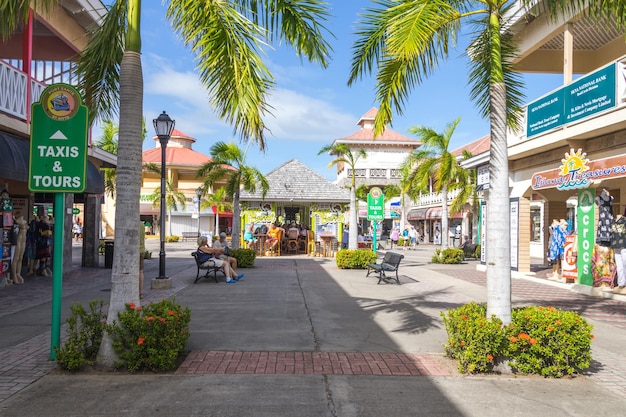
139	308
490	358
523	336
558	322
171	313
550	328
140	341
464	317
162	320
462	343
532	341
150	318
513	339
131	306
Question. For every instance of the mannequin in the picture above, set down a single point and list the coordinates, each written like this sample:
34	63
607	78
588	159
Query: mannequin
20	246
556	247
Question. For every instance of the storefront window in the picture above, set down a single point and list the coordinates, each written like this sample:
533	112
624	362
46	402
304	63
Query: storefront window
535	224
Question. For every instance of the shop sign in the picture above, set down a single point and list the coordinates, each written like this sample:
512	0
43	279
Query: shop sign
375	204
569	258
576	172
58	145
585	97
585	225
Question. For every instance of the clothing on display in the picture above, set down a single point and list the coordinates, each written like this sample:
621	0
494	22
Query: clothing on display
605	218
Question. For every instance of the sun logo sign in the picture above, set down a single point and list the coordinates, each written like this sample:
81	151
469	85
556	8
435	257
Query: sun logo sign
572	170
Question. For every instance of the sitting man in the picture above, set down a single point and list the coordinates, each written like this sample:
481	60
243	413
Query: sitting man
203	246
222	244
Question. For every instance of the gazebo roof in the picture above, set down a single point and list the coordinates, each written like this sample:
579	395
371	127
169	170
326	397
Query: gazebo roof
294	181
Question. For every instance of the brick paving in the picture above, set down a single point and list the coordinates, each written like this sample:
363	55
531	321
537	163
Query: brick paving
318	363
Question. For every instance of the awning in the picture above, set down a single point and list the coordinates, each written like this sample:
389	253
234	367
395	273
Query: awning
222	214
435	213
417	214
15	159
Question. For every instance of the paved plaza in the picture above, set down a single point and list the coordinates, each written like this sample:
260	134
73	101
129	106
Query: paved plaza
300	337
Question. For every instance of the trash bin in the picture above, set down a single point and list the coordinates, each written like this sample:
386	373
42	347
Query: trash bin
108	254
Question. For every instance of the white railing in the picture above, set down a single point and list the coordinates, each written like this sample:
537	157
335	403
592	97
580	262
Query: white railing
434	198
12	91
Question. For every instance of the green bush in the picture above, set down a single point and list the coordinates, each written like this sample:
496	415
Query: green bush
355	259
84	334
448	256
477	252
245	257
152	337
540	340
549	342
473	340
172	238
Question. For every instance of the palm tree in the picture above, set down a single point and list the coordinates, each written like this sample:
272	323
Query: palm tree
108	142
228	161
345	156
219	200
173	197
406	40
434	162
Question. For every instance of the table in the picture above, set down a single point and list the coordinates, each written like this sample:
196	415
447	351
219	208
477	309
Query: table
261	239
327	246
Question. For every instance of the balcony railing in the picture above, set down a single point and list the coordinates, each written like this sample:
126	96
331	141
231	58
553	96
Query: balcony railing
14	83
431	199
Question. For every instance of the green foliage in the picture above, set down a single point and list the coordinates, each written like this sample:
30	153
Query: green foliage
549	342
84	334
245	257
477	252
540	340
355	259
147	255
473	340
448	256
172	238
152	337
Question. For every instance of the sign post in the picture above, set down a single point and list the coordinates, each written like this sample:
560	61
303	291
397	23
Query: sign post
375	210
58	164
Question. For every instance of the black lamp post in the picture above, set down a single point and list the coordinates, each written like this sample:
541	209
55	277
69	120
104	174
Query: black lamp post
199	195
163	126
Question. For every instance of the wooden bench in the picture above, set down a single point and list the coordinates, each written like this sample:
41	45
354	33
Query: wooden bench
190	235
211	268
389	263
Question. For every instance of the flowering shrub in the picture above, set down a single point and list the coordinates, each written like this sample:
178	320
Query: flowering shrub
539	340
355	259
152	337
245	257
549	342
473	340
84	334
448	256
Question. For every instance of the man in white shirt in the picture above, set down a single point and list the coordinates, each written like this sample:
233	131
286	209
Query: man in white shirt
221	243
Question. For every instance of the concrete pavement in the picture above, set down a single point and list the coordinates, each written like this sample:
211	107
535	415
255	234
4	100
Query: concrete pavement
299	337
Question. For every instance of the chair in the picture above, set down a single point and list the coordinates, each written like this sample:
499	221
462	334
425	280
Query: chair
292	241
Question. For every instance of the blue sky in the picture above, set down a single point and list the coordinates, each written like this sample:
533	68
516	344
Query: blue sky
312	106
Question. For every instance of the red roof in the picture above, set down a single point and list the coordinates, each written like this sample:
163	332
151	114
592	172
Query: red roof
175	156
475	148
366	133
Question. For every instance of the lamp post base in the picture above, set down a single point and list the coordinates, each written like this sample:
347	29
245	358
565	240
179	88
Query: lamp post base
161	283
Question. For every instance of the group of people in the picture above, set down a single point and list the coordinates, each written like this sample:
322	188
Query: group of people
219	257
275	235
410	237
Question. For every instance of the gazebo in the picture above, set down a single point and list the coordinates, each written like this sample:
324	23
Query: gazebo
297	194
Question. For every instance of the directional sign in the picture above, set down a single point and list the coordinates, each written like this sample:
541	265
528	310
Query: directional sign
375	204
58	145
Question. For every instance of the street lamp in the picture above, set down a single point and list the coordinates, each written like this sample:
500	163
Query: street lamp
163	126
199	195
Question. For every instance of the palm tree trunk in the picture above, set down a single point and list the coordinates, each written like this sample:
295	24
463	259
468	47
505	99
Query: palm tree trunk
125	271
353	236
498	225
445	233
236	222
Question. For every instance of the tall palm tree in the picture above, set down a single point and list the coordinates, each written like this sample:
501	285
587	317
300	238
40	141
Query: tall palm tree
434	162
219	200
347	157
404	41
228	161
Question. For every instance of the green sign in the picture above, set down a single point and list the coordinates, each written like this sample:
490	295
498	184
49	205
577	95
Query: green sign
587	96
75	210
58	145
585	227
375	205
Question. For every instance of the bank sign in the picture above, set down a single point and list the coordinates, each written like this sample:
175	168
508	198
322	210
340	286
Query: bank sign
58	145
585	97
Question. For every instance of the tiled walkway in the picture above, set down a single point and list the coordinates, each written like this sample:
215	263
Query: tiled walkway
318	363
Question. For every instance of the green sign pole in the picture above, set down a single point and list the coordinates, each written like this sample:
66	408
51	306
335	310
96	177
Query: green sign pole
375	209
586	214
58	164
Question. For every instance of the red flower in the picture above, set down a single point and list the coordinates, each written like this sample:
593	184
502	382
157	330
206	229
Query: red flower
150	318
131	306
162	320
171	313
139	308
140	341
